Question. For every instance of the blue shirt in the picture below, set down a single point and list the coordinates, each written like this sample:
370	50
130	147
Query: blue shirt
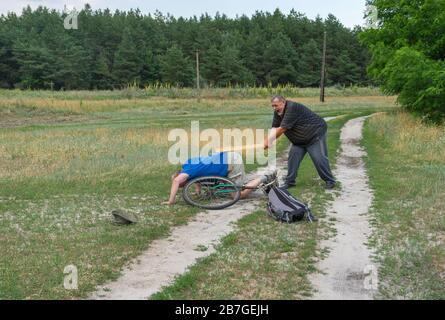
214	165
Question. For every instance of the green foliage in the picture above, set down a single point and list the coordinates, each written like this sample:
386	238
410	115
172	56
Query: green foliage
308	73
127	64
101	75
211	68
348	73
73	67
176	68
7	65
225	67
112	50
37	69
408	52
280	56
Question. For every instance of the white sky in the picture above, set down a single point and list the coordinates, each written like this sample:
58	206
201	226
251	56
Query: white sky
349	12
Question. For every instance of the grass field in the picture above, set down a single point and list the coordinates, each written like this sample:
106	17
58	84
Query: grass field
166	91
406	166
67	159
263	259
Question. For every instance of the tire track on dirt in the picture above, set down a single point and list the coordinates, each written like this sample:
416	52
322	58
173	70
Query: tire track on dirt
345	271
167	258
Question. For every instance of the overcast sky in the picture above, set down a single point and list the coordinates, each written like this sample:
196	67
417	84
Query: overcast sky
350	12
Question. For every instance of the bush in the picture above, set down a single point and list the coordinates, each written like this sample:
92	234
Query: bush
408	51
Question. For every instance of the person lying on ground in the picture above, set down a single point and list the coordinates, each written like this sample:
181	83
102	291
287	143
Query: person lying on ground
223	164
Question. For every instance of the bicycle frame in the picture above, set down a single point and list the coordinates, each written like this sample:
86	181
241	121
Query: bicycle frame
215	189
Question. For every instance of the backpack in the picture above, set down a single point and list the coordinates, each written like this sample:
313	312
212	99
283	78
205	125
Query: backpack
284	207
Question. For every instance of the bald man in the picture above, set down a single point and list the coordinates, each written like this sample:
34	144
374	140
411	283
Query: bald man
307	132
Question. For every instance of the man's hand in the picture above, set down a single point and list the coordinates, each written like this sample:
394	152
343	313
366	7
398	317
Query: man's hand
176	183
275	133
266	144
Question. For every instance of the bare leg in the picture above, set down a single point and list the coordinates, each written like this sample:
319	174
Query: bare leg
198	188
252	184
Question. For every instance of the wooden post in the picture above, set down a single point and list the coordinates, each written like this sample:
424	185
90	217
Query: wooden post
198	86
323	70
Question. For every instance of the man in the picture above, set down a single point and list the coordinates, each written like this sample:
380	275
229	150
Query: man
222	164
307	133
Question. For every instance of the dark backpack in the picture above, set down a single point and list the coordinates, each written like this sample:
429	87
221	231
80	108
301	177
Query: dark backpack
284	207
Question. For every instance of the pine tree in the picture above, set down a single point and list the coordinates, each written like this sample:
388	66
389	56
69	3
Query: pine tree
127	64
36	51
176	69
73	67
252	53
308	65
232	69
150	68
8	67
211	65
37	68
279	59
101	77
343	71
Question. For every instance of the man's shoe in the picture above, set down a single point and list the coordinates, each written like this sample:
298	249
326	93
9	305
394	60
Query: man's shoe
330	185
270	176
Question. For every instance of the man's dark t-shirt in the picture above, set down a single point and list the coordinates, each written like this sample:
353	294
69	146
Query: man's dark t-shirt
304	127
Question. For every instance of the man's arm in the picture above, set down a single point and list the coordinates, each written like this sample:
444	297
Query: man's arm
176	183
275	133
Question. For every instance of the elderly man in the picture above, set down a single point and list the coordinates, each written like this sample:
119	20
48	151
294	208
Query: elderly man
307	133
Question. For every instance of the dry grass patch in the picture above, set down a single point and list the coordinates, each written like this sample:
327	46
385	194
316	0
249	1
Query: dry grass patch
406	165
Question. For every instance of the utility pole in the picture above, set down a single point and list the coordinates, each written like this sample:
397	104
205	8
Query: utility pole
323	70
198	86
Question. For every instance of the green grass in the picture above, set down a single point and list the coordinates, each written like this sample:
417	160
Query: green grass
406	166
64	167
264	259
189	93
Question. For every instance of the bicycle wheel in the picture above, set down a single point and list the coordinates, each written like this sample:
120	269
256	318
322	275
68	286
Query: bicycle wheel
212	193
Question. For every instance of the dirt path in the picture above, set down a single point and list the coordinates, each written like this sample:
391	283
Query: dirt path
343	274
167	258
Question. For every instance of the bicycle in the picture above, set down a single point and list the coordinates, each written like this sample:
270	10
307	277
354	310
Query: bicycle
216	193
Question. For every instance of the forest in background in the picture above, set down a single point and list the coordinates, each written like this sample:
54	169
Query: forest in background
111	50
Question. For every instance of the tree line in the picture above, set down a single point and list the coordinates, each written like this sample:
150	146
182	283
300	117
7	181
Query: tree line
113	49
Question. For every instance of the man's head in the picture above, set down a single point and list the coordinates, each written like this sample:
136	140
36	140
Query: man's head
278	103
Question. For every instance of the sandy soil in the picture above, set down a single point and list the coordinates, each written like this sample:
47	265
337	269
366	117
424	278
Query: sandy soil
167	258
345	271
170	257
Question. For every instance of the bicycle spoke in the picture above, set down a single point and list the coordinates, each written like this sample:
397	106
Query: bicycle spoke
211	193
